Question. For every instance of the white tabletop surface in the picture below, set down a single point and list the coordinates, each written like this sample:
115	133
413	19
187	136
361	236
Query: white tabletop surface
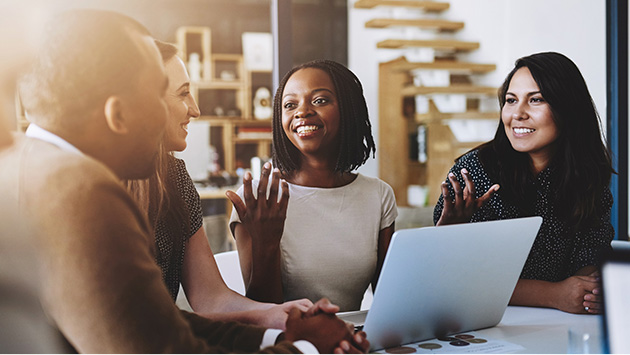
541	330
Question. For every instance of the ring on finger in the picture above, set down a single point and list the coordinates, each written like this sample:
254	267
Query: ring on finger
586	309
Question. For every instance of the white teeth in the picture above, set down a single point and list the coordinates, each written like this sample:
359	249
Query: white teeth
523	130
306	129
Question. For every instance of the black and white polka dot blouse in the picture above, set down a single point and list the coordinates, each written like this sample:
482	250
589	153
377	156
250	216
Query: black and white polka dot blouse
555	254
172	273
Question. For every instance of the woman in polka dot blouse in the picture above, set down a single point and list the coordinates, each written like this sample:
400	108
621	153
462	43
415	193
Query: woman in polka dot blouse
547	159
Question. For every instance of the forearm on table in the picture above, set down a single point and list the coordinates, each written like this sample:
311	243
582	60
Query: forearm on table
586	270
225	300
535	293
251	316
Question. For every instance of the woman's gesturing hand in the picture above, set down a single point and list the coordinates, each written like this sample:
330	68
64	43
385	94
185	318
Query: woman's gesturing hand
263	216
461	207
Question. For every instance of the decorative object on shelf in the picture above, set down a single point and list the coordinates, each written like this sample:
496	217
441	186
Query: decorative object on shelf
254	133
196	40
219	111
258	51
262	104
227	75
194	67
422	143
234	112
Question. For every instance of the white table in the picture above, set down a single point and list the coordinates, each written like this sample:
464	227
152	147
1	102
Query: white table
541	330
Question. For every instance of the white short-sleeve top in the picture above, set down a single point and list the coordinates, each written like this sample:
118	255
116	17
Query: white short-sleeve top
330	241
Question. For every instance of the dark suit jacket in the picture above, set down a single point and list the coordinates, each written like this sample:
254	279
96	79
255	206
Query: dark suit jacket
102	286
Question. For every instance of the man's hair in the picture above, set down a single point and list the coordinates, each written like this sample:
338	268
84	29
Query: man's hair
355	131
85	57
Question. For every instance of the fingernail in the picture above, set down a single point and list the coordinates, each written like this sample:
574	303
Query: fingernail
451	175
267	165
345	346
247	176
358	339
464	171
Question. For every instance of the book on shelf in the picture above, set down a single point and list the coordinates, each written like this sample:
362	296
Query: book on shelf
254	133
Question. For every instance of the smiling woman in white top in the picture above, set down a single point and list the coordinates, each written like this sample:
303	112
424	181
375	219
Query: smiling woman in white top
329	238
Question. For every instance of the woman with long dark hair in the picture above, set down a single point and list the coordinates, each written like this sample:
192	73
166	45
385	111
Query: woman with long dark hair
549	160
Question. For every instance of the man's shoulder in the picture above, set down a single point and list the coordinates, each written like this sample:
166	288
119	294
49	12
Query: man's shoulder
38	171
37	157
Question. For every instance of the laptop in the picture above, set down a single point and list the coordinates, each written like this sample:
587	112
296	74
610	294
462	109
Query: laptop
615	276
444	280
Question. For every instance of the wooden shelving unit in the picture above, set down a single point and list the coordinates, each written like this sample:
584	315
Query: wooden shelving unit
230	140
451	89
453	66
433	24
395	165
430	6
399	124
224	95
439	44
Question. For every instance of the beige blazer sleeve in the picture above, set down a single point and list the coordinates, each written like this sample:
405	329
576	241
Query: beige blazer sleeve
102	286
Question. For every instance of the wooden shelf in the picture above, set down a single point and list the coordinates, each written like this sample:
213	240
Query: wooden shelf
453	66
219	84
252	140
437	116
440	44
235	120
433	6
437	24
452	89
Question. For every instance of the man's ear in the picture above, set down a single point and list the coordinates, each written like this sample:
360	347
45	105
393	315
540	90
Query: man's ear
114	115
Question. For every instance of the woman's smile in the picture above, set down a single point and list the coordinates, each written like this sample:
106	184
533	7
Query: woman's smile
310	113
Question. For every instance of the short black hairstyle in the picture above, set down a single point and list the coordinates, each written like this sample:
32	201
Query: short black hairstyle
85	57
355	131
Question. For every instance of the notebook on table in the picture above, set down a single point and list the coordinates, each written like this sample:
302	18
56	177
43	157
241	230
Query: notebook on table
444	280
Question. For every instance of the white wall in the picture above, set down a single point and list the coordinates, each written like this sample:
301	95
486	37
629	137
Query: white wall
506	31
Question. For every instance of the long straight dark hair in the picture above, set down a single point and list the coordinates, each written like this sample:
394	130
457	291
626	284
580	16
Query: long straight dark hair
581	161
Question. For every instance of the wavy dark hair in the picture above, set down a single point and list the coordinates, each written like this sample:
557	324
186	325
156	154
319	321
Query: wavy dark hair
355	131
581	161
